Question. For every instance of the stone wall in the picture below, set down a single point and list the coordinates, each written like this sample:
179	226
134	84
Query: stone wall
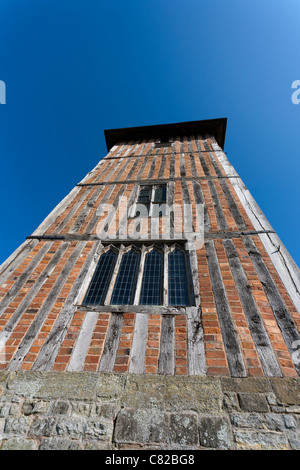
85	410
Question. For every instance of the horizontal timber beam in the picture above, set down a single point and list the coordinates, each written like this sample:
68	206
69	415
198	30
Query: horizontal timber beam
156	181
92	237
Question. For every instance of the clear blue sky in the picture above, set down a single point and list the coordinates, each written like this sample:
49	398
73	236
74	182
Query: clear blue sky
74	68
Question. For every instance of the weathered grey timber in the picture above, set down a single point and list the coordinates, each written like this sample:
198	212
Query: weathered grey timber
170	213
84	213
262	342
95	218
182	166
162	165
229	333
207	235
72	211
146	181
281	313
50	348
217	206
111	343
232	205
167	153
123	224
138	348
201	159
82	344
196	353
45	309
200	200
146	309
172	166
166	363
152	167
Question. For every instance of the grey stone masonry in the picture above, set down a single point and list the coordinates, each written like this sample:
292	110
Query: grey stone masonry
96	411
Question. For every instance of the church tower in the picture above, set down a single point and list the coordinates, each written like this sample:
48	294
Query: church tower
158	268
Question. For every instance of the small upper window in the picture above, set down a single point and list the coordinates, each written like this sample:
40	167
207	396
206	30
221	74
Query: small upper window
151	201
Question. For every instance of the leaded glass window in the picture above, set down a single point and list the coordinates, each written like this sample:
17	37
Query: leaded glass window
100	281
152	284
125	282
177	279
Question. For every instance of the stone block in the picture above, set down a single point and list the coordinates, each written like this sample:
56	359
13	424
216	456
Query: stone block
83	428
248	420
294	439
214	432
54	443
17	425
142	426
200	394
230	402
53	385
18	443
110	386
60	407
280	422
183	429
287	390
260	440
42	427
246	385
255	402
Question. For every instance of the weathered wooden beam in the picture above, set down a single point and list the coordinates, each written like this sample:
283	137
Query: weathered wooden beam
218	207
106	241
138	348
111	343
145	309
166	363
83	341
146	181
196	352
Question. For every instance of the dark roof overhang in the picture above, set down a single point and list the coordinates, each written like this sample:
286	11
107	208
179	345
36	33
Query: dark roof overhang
214	127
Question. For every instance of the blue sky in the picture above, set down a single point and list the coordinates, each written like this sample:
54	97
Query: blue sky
75	68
